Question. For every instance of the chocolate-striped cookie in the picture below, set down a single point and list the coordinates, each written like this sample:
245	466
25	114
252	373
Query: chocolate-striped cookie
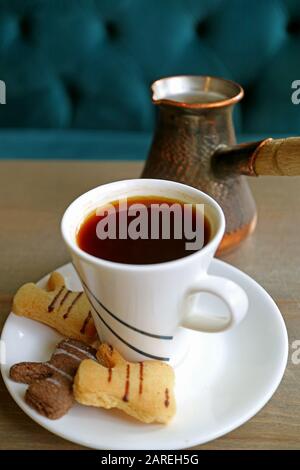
66	311
144	390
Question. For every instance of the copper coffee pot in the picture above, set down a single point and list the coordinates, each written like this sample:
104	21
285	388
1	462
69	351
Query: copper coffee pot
194	143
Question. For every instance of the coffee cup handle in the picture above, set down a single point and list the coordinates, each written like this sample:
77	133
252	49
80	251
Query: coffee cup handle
234	297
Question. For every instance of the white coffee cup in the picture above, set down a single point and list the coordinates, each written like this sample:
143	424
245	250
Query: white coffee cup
147	311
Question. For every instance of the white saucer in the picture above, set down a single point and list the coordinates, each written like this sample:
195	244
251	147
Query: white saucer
225	380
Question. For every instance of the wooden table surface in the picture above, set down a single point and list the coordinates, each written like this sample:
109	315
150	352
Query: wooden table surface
33	196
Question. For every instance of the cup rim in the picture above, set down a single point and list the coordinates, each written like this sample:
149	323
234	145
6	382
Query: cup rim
91	259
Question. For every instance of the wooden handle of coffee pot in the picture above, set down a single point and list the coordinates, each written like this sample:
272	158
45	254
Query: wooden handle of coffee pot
278	157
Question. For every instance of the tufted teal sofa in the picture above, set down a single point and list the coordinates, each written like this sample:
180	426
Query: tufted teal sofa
78	72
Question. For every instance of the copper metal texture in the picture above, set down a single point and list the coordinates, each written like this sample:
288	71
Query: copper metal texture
187	136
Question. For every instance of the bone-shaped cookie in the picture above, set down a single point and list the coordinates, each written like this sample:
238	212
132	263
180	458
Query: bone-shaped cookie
67	312
143	390
50	383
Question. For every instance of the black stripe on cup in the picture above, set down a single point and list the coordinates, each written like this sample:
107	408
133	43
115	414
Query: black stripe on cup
150	356
142	332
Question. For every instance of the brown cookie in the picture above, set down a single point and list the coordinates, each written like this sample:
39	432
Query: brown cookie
66	311
50	383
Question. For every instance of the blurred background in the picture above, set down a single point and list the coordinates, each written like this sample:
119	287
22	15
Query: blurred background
77	72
